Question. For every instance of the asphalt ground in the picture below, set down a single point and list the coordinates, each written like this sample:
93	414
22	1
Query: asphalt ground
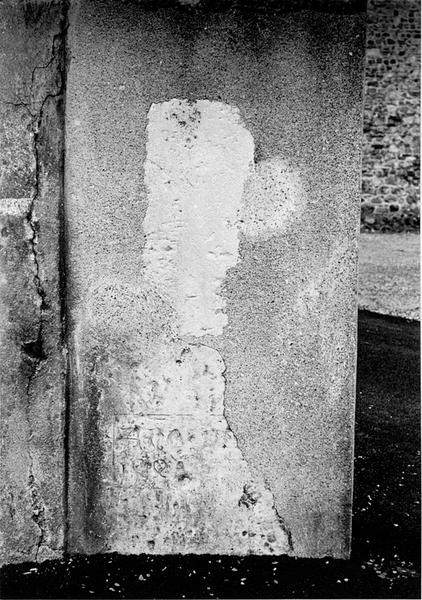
385	561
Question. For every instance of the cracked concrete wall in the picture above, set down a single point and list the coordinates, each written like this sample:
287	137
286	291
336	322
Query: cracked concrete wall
31	173
212	409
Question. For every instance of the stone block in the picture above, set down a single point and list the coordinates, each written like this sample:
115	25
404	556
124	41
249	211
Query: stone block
212	190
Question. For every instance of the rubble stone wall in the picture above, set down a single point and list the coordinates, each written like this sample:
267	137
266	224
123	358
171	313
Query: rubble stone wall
391	155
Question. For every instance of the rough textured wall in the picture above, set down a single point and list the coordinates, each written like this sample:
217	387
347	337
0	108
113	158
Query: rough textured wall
391	155
31	144
212	184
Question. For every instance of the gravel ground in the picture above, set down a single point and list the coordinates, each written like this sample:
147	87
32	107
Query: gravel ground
389	273
386	531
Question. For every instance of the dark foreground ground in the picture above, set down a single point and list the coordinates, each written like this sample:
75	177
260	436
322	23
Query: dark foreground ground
386	535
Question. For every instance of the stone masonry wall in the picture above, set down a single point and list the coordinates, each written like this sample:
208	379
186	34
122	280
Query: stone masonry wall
390	177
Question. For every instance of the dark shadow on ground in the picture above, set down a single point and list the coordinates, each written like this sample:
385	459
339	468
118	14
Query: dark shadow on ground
386	533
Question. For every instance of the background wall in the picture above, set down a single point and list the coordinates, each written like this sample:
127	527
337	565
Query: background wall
391	156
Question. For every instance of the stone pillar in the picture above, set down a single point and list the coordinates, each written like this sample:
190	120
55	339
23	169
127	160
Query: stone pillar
32	363
197	266
212	189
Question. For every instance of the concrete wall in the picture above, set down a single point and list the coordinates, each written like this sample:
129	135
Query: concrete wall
212	198
391	155
31	169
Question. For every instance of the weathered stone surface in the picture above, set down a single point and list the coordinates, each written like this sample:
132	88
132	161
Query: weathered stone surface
212	408
32	457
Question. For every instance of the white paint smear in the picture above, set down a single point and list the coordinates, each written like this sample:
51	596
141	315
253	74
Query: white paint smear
273	198
199	155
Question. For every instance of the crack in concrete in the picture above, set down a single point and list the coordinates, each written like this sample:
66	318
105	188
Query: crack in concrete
34	348
56	53
38	512
12	510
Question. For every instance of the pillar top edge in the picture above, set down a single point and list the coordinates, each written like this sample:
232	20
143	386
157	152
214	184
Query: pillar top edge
257	6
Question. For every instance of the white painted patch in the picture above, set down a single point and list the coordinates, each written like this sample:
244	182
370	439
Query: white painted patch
199	155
